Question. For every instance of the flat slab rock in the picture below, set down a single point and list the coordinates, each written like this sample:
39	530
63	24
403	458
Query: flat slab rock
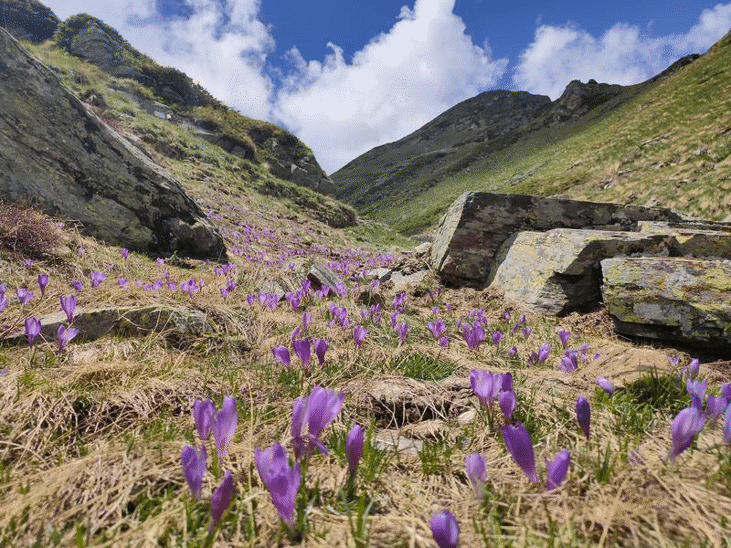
673	299
558	271
63	159
129	321
475	226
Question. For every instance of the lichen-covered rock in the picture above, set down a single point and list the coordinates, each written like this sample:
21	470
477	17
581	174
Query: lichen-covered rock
477	223
66	161
673	299
557	271
126	321
704	239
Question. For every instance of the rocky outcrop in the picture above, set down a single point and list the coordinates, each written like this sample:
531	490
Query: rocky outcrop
557	272
578	99
58	156
98	43
477	224
28	20
671	299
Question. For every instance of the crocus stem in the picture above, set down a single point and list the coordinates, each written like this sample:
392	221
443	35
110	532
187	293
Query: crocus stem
215	465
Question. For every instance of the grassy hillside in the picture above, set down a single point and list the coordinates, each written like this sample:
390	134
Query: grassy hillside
665	142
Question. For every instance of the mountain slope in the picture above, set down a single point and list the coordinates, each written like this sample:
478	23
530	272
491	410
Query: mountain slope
600	142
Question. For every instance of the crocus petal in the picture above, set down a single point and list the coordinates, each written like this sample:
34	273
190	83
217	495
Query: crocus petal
684	428
281	353
556	470
476	472
203	413
224	425
354	447
194	467
506	400
607	386
444	529
320	349
519	444
583	415
221	499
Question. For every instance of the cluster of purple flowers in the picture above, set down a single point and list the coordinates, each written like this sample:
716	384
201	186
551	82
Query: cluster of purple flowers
222	423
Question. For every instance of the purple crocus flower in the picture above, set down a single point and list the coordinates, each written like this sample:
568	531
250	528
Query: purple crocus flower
77	285
393	319
359	334
697	391
607	386
123	283
557	469
583	415
3	302
65	335
68	304
519	444
303	351
24	296
444	529
727	426
221	499
506	381
203	413
543	352
564	336
310	416
476	468
320	349
281	353
569	361
28	264
125	253
32	329
512	352
354	447
497	336
437	328
96	278
403	330
42	283
81	252
444	342
506	400
223	425
726	390
526	331
485	385
194	467
683	430
281	480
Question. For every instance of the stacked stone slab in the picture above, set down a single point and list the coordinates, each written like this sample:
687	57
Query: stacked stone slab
477	224
659	274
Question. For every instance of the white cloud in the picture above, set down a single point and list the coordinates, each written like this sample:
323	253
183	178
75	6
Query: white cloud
222	45
399	81
622	55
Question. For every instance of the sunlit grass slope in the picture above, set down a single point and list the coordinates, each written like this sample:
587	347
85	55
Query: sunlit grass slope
668	145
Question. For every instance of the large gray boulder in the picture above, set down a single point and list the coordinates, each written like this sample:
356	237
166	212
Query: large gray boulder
557	272
672	299
56	155
477	223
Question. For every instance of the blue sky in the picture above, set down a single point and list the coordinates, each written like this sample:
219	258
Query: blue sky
349	75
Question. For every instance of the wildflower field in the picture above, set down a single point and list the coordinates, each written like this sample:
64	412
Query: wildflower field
352	415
